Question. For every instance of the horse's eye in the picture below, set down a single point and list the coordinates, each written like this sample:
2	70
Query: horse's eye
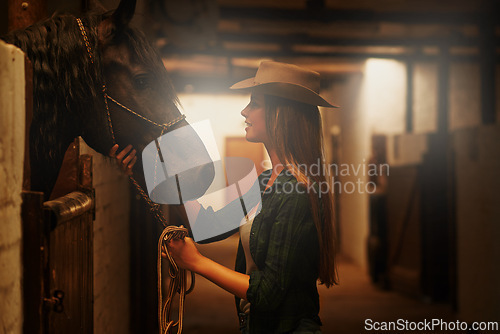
141	81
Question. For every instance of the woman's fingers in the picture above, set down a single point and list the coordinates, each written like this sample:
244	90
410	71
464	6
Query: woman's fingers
124	152
129	157
164	251
126	159
112	151
131	165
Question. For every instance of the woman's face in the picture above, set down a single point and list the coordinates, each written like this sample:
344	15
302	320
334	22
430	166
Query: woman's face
255	119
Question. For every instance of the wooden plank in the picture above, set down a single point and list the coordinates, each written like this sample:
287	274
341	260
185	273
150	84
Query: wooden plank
144	234
403	230
28	77
24	13
33	260
70	272
67	180
85	176
437	223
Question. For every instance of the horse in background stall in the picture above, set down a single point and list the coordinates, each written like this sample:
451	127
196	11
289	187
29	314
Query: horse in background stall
97	77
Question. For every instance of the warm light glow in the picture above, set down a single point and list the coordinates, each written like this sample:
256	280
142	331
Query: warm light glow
384	95
223	111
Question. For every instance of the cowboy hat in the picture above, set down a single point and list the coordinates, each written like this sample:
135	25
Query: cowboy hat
287	81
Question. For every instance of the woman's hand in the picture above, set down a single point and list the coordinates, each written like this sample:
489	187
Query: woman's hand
124	161
184	253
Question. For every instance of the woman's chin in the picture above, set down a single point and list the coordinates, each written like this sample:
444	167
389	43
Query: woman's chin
251	139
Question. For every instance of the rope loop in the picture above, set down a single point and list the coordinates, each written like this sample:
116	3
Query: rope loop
178	283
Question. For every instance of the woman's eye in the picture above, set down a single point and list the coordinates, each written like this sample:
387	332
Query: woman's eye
141	81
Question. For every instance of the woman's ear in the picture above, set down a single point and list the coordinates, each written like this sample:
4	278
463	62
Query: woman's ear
113	22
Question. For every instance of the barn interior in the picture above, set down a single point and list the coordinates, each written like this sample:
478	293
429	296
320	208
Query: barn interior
417	83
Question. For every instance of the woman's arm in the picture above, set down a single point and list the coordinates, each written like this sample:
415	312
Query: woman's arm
187	256
184	252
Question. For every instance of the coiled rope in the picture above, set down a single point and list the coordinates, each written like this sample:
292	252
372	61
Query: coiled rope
178	283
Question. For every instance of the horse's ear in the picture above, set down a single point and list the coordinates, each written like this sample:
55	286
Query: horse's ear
97	6
115	21
124	13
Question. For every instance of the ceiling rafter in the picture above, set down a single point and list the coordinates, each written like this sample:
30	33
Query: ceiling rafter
338	15
307	39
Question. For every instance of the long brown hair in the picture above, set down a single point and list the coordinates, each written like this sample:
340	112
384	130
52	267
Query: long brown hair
295	131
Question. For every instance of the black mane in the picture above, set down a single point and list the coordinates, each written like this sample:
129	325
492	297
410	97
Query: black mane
66	84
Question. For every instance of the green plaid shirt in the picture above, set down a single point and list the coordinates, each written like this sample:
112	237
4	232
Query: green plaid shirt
284	246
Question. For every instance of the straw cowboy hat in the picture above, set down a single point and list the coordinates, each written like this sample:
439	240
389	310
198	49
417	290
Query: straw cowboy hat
286	80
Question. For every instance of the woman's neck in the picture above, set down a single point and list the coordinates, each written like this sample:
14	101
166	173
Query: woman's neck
276	163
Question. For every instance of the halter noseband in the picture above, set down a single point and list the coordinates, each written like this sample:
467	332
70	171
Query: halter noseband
107	97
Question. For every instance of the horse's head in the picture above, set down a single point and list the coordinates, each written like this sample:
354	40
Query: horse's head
135	77
140	101
72	59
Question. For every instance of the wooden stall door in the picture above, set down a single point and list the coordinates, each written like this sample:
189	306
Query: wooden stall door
58	253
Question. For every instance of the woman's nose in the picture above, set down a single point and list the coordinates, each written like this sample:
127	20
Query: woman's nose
244	113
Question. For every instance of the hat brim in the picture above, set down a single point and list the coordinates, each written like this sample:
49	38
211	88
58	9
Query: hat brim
283	89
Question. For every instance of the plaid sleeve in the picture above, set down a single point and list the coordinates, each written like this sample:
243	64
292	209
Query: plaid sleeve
290	232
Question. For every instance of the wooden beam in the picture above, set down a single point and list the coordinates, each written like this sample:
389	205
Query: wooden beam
339	15
307	39
170	50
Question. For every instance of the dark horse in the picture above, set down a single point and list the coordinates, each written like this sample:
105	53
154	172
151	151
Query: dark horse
68	77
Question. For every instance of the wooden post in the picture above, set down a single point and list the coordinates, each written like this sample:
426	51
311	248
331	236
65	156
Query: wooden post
22	14
409	97
488	64
443	91
34	257
28	97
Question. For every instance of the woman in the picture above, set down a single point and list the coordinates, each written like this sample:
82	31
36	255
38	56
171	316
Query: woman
290	245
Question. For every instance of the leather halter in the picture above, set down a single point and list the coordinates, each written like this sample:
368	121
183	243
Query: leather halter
155	208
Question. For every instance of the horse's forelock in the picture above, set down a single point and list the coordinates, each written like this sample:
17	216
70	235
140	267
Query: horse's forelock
142	52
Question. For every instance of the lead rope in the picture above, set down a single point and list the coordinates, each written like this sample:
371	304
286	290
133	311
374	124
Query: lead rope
177	284
178	276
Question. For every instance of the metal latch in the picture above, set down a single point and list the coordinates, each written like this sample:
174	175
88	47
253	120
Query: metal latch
56	301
